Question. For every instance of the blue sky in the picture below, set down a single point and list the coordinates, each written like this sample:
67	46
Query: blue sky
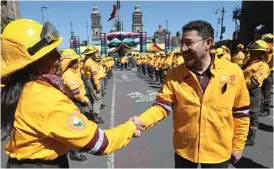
178	13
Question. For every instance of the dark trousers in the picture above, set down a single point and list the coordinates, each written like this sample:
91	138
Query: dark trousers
150	71
181	162
255	105
122	66
162	75
157	74
144	67
138	68
59	162
266	90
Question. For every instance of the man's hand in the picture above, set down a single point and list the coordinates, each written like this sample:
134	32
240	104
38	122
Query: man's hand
236	156
85	102
98	88
139	125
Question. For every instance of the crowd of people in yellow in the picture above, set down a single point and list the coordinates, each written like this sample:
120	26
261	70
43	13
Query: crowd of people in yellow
215	98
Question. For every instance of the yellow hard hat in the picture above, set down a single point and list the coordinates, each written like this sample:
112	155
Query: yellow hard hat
90	50
241	46
82	57
259	45
68	55
224	47
219	51
24	41
268	35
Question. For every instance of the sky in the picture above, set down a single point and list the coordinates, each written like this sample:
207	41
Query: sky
155	13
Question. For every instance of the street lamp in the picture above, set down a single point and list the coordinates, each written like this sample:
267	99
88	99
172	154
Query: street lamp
43	7
222	28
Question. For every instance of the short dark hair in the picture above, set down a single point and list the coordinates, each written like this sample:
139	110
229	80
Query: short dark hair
204	29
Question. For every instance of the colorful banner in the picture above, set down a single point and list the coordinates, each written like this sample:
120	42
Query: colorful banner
104	46
143	42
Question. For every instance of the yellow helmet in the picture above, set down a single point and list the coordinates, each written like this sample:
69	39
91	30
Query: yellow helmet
24	41
219	51
82	57
224	47
90	50
268	35
259	45
68	55
241	46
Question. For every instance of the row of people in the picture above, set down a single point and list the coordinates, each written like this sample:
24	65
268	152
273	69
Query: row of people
43	123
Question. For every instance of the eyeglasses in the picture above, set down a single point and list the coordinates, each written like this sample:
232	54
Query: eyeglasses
190	44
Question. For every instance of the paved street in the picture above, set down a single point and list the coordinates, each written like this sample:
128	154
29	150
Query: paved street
129	94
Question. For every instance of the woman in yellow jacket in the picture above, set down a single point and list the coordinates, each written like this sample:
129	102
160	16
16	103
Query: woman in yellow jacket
255	72
42	121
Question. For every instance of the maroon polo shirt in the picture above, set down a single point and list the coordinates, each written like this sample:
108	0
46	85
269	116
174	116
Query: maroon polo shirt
204	77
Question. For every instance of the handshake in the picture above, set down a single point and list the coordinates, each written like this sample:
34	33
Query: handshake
139	126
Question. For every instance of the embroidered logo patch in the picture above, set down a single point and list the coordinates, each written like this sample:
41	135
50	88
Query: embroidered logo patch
76	122
232	78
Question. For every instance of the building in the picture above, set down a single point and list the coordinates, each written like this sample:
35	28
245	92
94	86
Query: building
96	27
9	12
137	22
254	14
160	34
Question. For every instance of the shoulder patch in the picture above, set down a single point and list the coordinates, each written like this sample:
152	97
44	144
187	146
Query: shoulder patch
76	122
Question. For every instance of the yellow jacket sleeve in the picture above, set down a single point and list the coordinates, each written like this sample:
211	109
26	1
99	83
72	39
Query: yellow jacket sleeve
259	73
66	124
95	74
240	110
162	106
119	136
72	83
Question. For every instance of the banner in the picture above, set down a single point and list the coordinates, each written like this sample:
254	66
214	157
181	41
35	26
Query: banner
104	47
143	42
75	44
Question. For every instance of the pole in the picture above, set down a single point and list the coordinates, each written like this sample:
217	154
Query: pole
223	11
118	19
167	25
87	35
43	7
217	28
42	15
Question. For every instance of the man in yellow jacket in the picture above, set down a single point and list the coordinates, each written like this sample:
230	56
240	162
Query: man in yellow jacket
266	87
93	83
255	72
156	65
210	104
239	56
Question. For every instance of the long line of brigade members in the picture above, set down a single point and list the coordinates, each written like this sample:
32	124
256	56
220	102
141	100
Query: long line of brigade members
257	69
85	77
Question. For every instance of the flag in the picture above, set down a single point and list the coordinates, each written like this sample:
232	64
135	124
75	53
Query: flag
113	13
118	4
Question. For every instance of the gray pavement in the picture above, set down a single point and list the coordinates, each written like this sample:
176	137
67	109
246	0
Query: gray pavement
133	95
